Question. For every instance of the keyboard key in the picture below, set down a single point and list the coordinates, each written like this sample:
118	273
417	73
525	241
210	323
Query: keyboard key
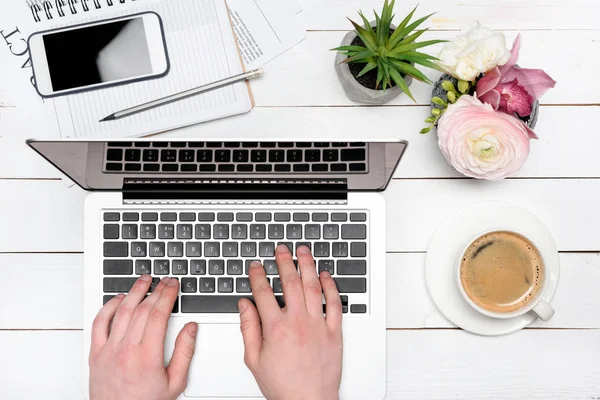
112	216
114	155
330	155
204	156
248	249
243	217
225	217
264	168
187	216
150	155
214	144
321	249
354	231
166	231
139	249
242	285
358	249
208	168
168	155
221	231
241	156
352	267
216	267
301	217
282	217
358	308
133	167
118	267
149	217
339	144
168	216
170	167
266	249
175	249
358	167
326	265
340	249
206	217
160	144
111	231
294	231
133	155
275	156
114	167
258	156
161	267
226	168
345	309
353	154
230	249
235	267
301	167
312	156
157	249
303	144
321	144
225	285
330	231
131	216
282	168
276	231
289	245
277	287
339	217
187	156
142	267
312	231
245	168
202	231
129	231
116	249
268	144
320	168
307	244
294	156
193	249
189	285
180	267
263	217
215	304
184	231
271	267
196	144
198	267
121	285
358	217
351	285
257	231
285	144
189	168
338	167
178	144
151	167
212	249
358	144
320	217
239	231
207	285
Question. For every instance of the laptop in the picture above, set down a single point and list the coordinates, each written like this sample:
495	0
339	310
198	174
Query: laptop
202	211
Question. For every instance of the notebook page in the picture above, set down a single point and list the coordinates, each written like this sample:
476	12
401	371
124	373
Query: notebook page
201	49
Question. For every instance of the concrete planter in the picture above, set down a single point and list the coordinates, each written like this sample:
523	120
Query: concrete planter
354	90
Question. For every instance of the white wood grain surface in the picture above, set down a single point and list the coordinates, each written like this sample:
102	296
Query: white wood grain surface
300	97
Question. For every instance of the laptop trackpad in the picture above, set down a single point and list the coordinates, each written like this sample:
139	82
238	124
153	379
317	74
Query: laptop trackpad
218	368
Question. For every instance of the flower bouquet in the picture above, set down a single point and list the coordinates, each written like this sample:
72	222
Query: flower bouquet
485	106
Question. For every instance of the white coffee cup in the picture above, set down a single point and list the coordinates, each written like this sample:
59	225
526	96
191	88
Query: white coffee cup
537	305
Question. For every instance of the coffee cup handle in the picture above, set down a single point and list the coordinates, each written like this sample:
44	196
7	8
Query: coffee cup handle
543	310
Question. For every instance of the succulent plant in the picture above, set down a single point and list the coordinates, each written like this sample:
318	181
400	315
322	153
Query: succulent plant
392	53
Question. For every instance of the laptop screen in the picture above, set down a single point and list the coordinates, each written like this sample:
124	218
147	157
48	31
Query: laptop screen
107	165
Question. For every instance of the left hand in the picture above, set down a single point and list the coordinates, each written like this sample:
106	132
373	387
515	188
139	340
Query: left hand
127	349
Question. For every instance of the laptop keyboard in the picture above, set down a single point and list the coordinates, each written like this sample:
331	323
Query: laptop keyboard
210	252
238	157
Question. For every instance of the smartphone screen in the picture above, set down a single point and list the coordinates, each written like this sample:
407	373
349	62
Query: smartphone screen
98	54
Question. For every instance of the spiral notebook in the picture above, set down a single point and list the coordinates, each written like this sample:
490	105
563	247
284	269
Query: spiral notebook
202	49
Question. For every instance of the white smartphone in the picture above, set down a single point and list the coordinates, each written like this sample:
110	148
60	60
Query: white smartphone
99	54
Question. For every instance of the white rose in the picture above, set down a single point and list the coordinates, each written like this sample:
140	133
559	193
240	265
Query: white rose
474	51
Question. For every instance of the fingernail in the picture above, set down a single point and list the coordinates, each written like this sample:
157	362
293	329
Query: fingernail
255	264
145	278
325	274
165	280
193	329
120	296
282	248
173	282
303	250
242	306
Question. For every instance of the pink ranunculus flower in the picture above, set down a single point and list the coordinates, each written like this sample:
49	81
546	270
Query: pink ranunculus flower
480	142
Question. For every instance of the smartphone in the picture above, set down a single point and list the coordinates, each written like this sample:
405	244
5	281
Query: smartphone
99	54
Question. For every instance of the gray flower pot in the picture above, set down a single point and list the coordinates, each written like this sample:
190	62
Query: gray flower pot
354	90
441	93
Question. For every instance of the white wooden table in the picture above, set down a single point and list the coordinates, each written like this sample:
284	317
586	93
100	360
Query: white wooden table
428	358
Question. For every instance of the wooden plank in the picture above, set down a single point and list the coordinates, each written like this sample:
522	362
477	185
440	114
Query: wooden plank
45	216
567	146
455	14
433	365
308	75
54	282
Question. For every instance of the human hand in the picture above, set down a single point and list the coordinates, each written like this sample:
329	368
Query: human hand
127	349
294	353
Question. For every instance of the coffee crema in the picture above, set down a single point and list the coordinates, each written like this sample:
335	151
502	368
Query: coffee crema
501	271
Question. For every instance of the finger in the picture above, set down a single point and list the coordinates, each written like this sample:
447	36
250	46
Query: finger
310	282
334	303
263	294
101	325
290	280
251	331
137	327
128	306
158	319
179	366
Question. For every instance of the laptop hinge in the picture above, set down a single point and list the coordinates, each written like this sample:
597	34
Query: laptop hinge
236	191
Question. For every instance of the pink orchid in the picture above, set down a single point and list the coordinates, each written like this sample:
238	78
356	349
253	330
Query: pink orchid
511	89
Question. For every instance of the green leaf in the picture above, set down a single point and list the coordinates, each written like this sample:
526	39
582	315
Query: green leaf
463	86
410	70
363	34
430	120
361	56
383	29
425	130
349	48
401	83
417	60
416	54
413	37
400	28
370	66
407	47
368	26
379	74
409	29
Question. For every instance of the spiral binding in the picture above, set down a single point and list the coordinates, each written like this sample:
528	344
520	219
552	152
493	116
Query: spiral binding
58	8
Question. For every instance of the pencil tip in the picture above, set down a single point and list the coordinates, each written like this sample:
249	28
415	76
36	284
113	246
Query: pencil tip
109	118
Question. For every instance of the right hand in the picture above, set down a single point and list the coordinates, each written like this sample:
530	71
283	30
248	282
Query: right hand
294	353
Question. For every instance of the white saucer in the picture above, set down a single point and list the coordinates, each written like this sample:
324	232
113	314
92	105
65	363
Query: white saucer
453	237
